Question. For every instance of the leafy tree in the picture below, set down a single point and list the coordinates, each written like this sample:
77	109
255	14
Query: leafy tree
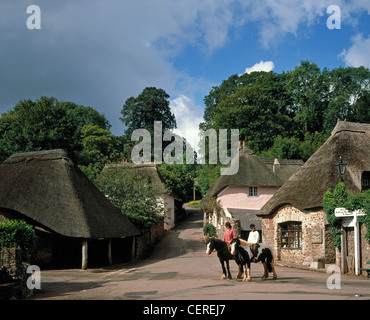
47	124
99	147
348	96
133	194
150	105
308	87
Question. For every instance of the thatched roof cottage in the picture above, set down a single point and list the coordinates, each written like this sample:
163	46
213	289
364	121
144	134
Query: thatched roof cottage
293	220
240	196
49	191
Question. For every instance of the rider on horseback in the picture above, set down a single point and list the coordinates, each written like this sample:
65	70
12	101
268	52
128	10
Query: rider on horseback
253	240
229	234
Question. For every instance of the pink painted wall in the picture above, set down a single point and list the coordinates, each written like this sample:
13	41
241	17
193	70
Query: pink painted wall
237	197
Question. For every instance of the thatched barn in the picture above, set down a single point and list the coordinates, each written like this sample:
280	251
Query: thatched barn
240	196
50	192
293	220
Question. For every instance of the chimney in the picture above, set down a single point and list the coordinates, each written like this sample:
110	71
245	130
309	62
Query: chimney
276	167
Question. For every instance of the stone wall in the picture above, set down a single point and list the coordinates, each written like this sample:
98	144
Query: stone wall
316	240
13	275
144	243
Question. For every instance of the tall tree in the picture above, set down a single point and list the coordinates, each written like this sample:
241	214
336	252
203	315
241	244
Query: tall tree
142	112
150	105
309	88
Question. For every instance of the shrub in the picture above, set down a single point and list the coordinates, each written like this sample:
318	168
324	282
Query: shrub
209	230
20	233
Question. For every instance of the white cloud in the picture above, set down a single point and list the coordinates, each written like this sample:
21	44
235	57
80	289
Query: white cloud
358	54
261	66
188	117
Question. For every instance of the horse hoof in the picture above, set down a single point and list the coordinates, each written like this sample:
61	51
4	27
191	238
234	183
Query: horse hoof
274	277
244	279
249	279
223	277
264	277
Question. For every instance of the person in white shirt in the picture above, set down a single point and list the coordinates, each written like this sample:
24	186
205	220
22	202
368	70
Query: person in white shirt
253	240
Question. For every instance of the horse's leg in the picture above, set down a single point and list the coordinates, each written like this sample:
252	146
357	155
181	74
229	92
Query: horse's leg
265	272
223	269
273	271
228	270
249	278
239	275
245	273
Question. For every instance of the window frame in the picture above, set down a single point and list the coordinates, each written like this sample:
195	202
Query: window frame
253	191
291	235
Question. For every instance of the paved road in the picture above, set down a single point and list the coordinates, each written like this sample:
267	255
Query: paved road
179	269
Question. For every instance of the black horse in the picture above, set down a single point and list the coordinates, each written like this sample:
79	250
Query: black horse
264	255
224	255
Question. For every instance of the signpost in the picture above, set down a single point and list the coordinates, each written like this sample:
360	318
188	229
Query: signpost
344	213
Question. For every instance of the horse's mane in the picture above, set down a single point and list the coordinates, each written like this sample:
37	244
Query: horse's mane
218	240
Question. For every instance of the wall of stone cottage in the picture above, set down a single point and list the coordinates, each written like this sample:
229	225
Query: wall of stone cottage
313	220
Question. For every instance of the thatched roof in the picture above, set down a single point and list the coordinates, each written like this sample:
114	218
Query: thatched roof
144	170
50	189
306	188
255	171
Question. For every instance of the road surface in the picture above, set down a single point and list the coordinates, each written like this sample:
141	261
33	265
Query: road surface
179	269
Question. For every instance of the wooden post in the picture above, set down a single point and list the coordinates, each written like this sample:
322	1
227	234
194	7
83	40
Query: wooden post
133	248
343	258
110	252
84	254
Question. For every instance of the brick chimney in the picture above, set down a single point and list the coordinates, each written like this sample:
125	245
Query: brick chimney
276	167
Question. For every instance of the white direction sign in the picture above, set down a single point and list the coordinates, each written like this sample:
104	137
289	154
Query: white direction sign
343	212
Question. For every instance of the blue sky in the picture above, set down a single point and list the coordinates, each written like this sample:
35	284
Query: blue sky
99	53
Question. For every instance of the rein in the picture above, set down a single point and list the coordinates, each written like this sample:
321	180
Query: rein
227	246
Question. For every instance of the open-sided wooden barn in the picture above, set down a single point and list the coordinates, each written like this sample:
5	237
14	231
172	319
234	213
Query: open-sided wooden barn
69	213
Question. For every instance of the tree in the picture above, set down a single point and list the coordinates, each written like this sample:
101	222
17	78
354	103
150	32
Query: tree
150	105
309	88
349	96
47	124
99	147
133	194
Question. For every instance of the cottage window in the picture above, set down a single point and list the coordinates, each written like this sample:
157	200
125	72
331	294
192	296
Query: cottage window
253	191
291	235
365	181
